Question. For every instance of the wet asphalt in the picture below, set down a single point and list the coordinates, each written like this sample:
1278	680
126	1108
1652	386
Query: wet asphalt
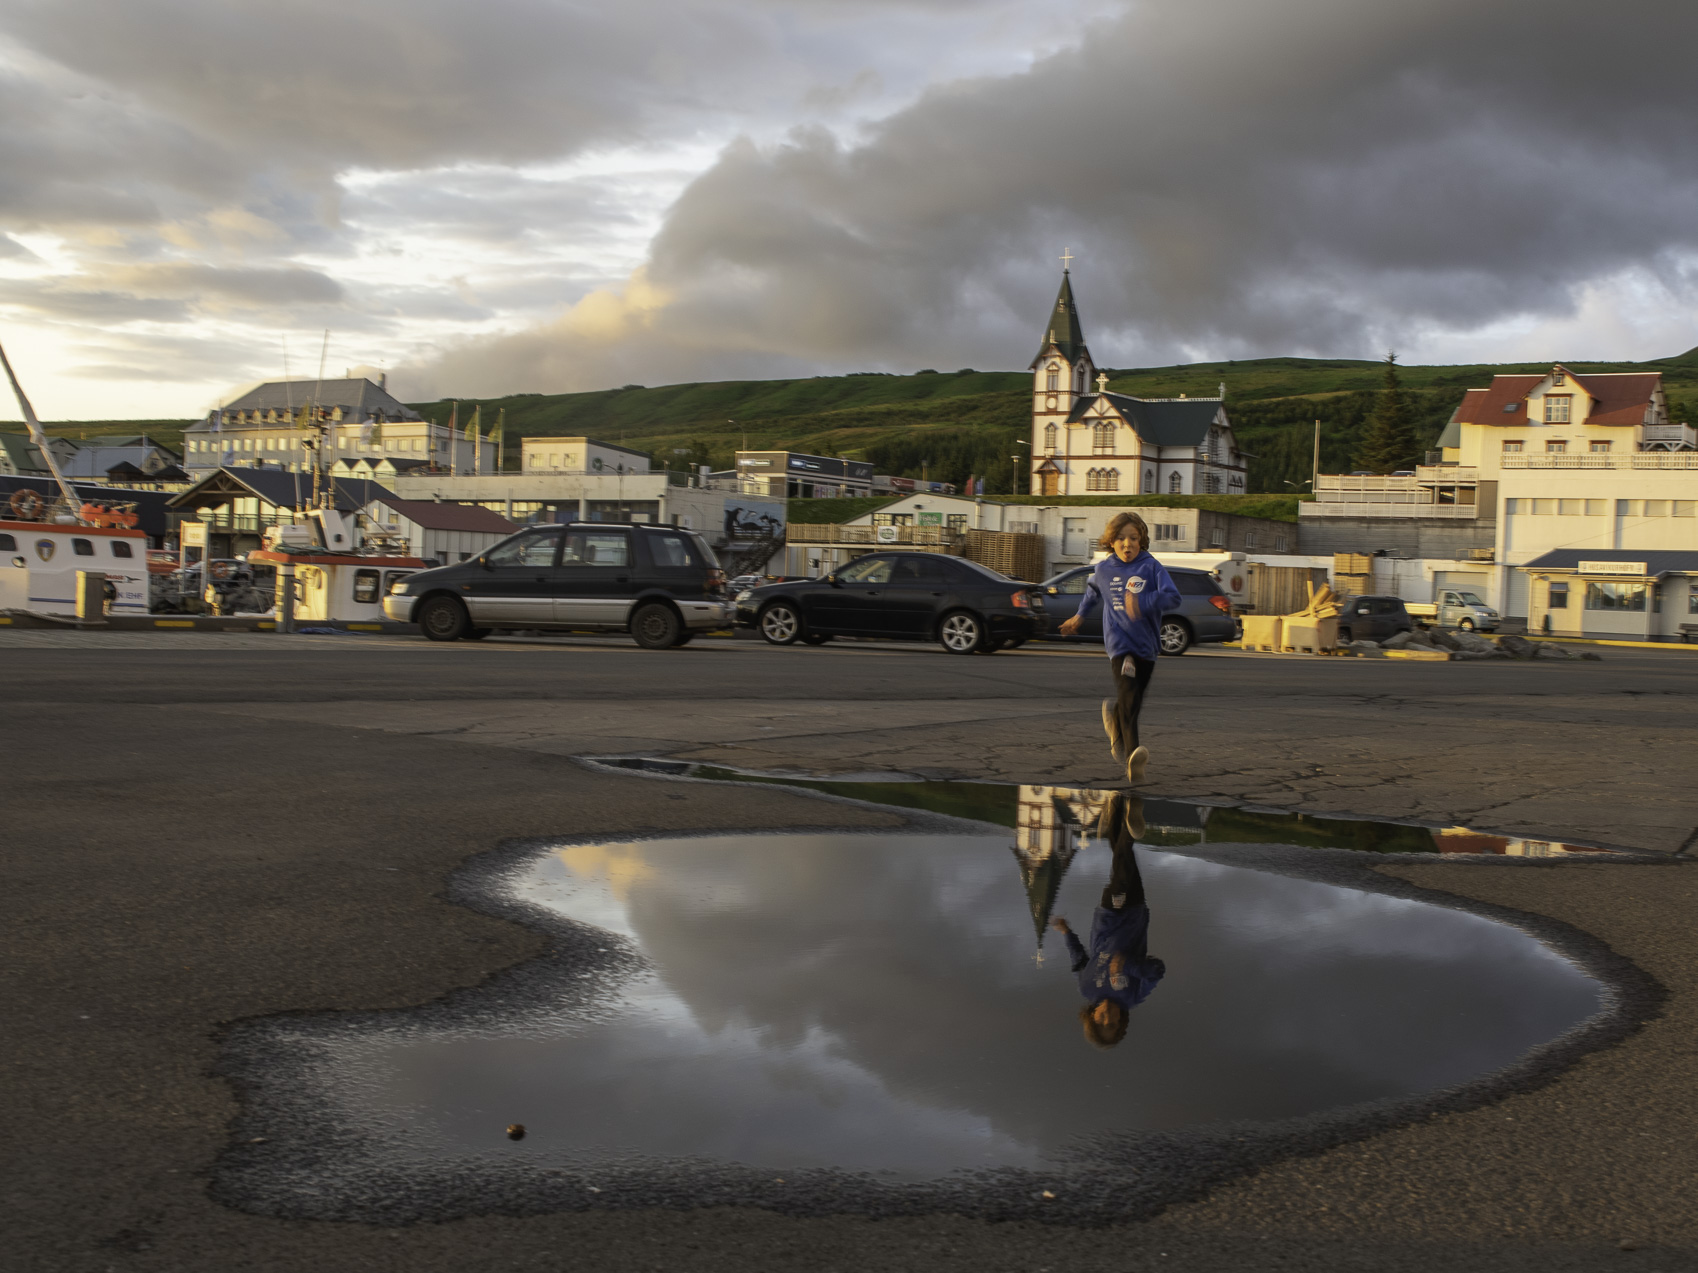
172	868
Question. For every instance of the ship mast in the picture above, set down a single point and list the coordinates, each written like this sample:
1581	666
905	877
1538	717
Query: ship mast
40	438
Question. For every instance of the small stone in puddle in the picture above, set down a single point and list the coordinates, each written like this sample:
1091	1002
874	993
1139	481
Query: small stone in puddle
1627	1244
515	1131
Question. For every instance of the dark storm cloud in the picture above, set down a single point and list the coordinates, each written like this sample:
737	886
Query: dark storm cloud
1236	177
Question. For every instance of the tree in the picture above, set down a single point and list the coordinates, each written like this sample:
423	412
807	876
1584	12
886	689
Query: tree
1388	441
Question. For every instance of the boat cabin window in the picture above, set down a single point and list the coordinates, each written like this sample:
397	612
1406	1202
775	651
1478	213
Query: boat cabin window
365	586
120	548
8	544
82	548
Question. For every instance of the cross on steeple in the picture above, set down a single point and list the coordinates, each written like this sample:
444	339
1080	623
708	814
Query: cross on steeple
1102	382
1066	258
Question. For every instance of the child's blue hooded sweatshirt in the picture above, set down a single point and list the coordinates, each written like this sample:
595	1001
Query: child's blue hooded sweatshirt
1137	594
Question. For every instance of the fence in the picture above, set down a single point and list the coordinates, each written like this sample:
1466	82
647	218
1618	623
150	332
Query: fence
1281	589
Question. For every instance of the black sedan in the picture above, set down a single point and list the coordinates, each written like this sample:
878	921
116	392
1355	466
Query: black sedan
965	607
1204	613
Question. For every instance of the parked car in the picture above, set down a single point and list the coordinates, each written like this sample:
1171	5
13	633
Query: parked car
1372	619
1457	608
661	584
965	607
1204	613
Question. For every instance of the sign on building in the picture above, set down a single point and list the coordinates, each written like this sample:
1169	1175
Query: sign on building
1635	568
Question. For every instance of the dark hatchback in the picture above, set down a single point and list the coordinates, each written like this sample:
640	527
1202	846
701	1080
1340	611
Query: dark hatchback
661	584
1204	614
963	606
1373	619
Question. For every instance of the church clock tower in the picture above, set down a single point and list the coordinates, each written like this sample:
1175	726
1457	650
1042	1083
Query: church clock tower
1061	374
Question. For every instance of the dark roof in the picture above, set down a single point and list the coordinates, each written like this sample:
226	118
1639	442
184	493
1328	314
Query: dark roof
1168	422
1656	563
1620	398
433	516
151	517
358	398
124	469
403	466
279	488
1064	331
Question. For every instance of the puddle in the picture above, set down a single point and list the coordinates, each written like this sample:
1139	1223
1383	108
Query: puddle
1170	822
892	1022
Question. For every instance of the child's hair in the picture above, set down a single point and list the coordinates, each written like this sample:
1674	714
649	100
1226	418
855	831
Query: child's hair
1118	523
1105	1036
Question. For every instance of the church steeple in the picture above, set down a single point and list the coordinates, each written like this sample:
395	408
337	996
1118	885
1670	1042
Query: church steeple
1065	334
1061	378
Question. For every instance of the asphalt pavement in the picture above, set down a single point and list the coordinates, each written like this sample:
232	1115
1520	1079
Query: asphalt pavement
206	828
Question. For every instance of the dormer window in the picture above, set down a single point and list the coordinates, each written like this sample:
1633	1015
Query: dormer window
1558	379
1557	407
1509	408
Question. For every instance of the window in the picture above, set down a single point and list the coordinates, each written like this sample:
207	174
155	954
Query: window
1193	584
1556	407
1598	448
1171	531
1656	508
365	586
1149	481
1597	508
82	548
8	544
867	570
1569	507
596	548
1558	597
1629	507
1558	379
1541	507
120	548
1102	480
1684	507
1217	538
533	549
1512	447
1279	543
1249	539
918	570
1509	408
957	523
1074	585
1174	482
671	551
1049	437
1053	380
1102	439
1614	596
1692	600
1556	446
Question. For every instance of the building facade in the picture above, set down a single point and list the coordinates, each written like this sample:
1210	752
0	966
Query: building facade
793	475
1087	441
579	455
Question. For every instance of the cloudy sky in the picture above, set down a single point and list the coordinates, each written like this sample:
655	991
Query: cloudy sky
491	196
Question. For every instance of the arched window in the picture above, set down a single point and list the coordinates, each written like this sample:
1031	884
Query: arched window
1174	482
1149	481
1049	437
1102	439
1102	480
1079	378
1054	377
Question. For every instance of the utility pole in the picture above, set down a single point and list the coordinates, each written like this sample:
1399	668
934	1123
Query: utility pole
1315	475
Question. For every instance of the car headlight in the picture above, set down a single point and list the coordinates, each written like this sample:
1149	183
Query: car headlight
398	588
744	595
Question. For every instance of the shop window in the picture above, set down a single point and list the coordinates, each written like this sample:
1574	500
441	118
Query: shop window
1558	598
82	548
366	583
1615	596
120	548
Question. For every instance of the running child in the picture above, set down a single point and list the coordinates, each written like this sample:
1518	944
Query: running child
1135	592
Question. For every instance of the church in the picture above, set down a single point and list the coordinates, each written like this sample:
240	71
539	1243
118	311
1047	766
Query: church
1087	441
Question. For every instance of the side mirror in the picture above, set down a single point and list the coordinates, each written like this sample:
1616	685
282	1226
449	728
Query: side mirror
1053	591
834	581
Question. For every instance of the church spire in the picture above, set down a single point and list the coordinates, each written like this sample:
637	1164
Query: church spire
1064	330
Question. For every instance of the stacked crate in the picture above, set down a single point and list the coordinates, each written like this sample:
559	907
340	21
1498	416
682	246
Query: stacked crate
1352	574
1013	553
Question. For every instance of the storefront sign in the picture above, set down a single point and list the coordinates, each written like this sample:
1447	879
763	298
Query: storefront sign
1635	568
887	534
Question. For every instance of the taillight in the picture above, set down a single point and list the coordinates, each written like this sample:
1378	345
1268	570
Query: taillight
1221	603
716	580
1022	601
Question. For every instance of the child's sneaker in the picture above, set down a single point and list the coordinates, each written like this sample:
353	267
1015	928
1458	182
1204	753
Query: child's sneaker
1135	824
1111	727
1135	764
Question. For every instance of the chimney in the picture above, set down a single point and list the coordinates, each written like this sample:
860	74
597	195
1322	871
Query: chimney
383	381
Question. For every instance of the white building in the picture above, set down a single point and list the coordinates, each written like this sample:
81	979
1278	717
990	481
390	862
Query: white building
440	533
579	455
1087	441
275	425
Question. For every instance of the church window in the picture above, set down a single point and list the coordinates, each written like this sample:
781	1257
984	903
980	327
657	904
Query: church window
1049	437
1149	481
1053	381
1102	439
1102	480
1174	482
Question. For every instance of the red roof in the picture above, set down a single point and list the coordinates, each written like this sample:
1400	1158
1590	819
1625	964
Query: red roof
1617	398
433	516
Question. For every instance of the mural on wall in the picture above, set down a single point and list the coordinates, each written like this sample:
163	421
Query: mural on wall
750	519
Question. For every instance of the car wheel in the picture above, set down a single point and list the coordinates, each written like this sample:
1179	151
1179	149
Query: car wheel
1175	637
656	627
1467	625
961	632
444	619
779	624
816	638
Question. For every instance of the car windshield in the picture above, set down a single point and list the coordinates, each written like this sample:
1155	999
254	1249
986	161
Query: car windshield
1470	598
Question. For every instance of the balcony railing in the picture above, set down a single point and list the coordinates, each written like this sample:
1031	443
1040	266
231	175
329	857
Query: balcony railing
1387	508
1606	460
873	536
1665	459
1444	474
1681	434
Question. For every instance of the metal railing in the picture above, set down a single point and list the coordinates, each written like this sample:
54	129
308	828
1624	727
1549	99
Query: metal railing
816	533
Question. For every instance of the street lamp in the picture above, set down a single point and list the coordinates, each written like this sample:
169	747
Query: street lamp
1016	459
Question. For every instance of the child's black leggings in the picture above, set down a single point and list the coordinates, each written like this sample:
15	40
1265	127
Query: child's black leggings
1131	681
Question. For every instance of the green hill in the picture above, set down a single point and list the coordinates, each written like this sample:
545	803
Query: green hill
949	425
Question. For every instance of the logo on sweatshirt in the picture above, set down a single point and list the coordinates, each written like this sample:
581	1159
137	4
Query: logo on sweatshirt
1137	583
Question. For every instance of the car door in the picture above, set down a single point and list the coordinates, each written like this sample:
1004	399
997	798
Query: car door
918	588
1450	608
512	586
595	582
853	604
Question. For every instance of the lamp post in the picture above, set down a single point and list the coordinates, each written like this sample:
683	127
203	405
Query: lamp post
207	516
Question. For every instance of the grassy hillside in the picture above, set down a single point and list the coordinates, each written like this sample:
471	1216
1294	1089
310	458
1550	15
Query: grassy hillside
949	425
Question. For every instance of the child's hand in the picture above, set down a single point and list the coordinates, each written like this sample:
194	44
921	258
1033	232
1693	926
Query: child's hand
1060	925
1070	627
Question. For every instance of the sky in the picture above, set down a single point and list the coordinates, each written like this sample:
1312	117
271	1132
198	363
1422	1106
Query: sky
483	197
